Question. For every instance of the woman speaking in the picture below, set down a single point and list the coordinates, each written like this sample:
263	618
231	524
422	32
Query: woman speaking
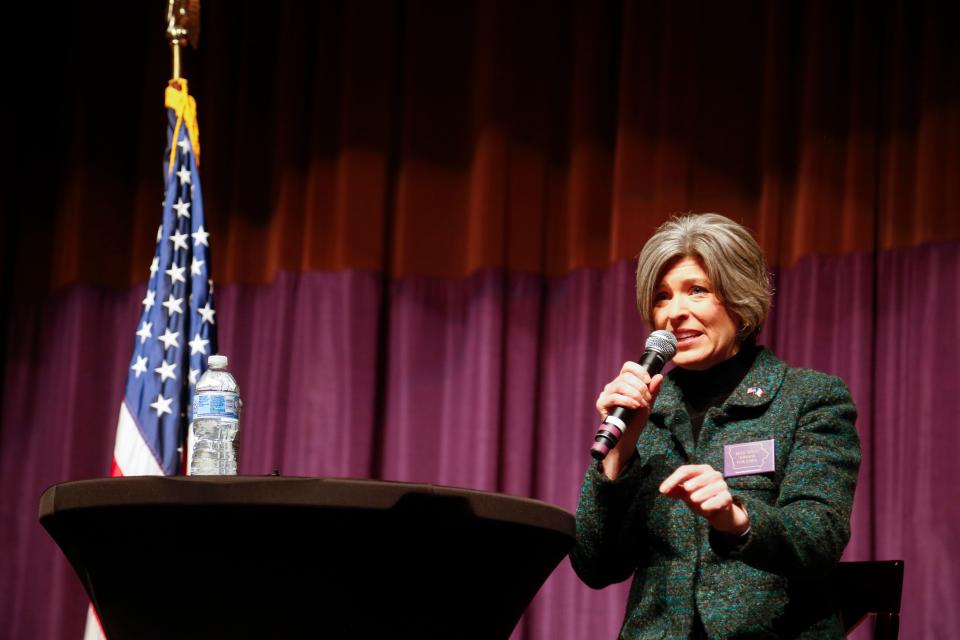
728	496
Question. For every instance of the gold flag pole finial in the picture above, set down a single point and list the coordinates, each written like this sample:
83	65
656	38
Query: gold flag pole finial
183	25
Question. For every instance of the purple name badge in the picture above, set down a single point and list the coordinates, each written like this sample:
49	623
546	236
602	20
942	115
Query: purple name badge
747	458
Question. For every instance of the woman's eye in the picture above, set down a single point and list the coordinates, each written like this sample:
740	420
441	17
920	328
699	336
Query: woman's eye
659	297
697	289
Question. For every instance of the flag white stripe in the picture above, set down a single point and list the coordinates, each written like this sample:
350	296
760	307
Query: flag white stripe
130	452
92	630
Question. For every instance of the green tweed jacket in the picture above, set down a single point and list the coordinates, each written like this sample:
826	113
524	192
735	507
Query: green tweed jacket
768	585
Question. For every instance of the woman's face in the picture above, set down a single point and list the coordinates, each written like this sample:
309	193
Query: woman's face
685	304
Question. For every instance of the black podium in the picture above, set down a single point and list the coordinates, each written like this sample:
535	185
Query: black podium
271	557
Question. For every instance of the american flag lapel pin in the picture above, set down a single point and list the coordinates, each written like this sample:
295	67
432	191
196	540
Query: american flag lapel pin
757	391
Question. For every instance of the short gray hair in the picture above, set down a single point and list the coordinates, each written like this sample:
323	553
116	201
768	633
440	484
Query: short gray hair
730	256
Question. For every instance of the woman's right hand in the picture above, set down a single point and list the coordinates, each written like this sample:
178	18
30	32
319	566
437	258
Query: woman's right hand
632	389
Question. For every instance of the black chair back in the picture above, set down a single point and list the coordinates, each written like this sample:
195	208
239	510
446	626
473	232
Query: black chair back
864	588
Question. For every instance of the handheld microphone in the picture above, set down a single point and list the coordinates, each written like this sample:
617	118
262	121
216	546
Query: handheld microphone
659	349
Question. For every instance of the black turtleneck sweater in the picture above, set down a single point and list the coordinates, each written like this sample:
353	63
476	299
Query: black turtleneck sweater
711	387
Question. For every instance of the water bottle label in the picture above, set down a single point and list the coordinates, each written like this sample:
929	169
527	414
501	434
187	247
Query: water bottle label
215	405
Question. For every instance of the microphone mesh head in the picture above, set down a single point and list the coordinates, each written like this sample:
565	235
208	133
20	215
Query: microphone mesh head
663	342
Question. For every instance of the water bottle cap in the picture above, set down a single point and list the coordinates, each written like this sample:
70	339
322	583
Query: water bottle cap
217	362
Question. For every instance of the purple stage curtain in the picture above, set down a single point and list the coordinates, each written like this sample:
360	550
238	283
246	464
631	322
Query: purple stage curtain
488	382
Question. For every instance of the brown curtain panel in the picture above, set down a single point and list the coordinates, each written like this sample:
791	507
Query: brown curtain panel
438	138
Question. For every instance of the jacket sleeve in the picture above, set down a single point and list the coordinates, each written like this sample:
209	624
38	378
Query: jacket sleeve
603	554
804	533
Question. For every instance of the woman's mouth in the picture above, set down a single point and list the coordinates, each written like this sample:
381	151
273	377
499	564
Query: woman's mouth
685	338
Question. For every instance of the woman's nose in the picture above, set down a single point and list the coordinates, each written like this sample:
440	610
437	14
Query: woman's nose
677	308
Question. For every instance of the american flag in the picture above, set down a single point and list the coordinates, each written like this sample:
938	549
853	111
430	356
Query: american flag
176	330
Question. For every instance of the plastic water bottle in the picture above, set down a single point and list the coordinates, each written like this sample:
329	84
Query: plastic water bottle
216	421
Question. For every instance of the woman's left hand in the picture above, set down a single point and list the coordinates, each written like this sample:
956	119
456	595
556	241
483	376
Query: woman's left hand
705	491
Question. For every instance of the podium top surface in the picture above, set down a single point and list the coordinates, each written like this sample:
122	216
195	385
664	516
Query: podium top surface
278	491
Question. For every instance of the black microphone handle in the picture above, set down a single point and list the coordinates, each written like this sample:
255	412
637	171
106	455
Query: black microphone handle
609	434
653	362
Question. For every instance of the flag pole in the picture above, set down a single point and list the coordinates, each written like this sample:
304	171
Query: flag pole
176	61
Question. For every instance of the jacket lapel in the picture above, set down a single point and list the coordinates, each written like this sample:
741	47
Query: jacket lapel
757	388
669	411
754	392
